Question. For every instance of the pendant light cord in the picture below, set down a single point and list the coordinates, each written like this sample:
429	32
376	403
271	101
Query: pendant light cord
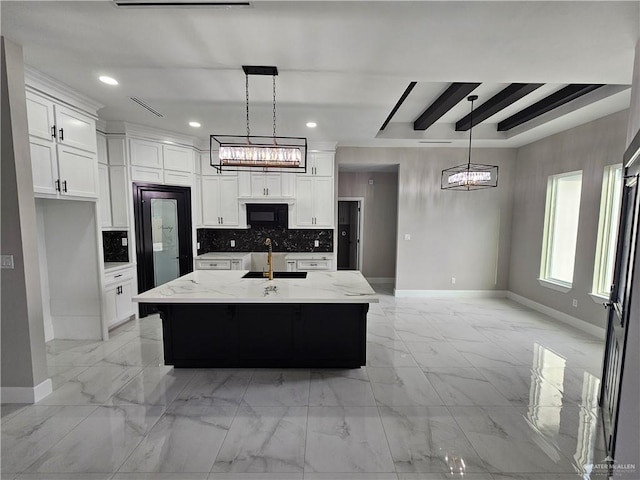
246	76
274	109
471	99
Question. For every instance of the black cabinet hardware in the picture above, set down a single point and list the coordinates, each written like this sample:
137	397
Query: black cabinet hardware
64	186
57	185
53	132
61	134
116	276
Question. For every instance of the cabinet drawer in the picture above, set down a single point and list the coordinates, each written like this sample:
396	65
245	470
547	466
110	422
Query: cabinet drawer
314	265
213	264
119	276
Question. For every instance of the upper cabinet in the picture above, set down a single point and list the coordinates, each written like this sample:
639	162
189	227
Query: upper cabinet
266	184
177	158
145	153
320	164
63	149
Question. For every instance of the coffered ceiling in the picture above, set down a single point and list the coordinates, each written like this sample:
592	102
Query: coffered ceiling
343	65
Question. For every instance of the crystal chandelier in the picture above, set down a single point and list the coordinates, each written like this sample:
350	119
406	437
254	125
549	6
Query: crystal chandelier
470	176
259	152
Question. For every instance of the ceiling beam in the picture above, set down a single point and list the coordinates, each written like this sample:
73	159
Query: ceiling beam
444	103
403	97
555	100
499	101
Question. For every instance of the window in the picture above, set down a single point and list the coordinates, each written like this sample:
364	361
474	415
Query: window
560	230
607	230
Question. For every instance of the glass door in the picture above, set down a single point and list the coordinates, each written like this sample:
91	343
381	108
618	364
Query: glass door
163	235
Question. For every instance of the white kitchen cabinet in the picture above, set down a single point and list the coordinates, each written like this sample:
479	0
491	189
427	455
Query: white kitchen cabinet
119	288
104	195
320	164
220	206
177	178
314	203
119	193
101	149
266	184
63	149
144	153
197	200
207	169
177	158
143	174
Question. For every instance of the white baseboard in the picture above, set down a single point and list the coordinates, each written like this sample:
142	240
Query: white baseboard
26	394
380	279
48	331
450	293
558	315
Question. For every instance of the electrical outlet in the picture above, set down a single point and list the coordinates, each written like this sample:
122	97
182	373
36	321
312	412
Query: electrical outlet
125	241
7	261
371	181
233	243
575	302
197	245
316	243
407	236
453	280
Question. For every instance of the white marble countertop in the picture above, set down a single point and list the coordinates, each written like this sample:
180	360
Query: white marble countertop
310	256
222	255
228	286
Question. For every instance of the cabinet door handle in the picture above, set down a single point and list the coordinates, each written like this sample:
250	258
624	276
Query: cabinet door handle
57	185
221	220
116	276
267	191
64	186
61	134
53	132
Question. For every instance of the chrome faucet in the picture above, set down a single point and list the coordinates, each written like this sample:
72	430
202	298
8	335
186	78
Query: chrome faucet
269	274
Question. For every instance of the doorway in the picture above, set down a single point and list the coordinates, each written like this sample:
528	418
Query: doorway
620	314
163	235
350	216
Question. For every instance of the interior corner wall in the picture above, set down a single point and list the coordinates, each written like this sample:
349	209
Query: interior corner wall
589	147
23	349
380	218
465	235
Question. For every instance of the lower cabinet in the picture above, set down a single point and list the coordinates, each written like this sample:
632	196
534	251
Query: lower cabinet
119	288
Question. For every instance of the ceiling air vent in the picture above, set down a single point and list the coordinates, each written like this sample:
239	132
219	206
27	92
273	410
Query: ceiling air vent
178	3
144	105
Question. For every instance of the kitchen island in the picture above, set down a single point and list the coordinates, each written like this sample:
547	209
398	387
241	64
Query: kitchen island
220	319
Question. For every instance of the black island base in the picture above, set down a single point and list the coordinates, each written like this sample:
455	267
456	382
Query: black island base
265	335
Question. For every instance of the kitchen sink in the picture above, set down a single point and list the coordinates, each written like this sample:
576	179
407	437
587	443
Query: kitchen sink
276	275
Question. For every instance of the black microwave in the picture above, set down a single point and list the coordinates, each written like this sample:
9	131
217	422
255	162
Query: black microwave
267	214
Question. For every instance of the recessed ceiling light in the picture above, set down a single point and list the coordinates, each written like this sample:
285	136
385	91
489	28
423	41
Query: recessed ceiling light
312	124
194	124
108	80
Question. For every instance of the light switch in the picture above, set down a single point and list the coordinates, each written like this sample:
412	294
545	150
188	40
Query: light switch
233	243
125	241
7	261
316	243
407	236
197	245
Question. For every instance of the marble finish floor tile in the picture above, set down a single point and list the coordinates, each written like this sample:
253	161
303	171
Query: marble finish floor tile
64	476
445	476
153	386
346	440
137	353
350	476
402	386
30	433
272	388
264	440
418	332
430	355
8	410
389	354
487	354
160	476
186	439
255	476
215	387
101	442
464	386
428	439
95	385
341	388
508	441
61	374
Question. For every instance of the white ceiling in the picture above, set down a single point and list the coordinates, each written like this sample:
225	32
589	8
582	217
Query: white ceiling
343	65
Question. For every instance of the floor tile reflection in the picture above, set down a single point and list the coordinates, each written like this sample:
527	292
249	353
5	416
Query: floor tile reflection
480	389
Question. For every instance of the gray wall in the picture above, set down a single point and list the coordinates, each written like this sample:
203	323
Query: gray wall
380	218
589	148
628	438
453	234
23	350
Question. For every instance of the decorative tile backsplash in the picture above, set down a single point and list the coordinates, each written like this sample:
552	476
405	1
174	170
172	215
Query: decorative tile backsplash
112	246
252	240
